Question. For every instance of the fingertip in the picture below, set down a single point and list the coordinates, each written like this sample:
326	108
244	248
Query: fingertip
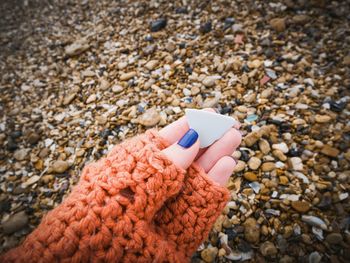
180	156
222	170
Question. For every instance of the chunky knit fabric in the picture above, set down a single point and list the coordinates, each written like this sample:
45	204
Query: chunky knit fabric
134	205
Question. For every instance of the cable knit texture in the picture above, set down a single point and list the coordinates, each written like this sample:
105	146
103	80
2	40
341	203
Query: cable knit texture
134	205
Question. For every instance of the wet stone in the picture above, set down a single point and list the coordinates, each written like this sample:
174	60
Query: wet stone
15	223
158	25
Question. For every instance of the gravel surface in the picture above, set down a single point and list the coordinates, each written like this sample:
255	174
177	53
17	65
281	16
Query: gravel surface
77	77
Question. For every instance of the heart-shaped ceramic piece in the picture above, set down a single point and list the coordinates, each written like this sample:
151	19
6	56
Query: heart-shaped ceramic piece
210	126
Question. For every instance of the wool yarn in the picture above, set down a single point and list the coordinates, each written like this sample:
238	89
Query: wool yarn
134	205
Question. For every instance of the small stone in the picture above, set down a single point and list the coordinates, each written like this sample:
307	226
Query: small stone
205	28
250	176
127	76
150	118
60	166
334	238
77	48
15	223
209	254
102	119
32	180
195	90
104	84
150	65
283	180
117	88
254	163
251	138
268	167
346	60
296	164
158	25
240	166
264	146
21	154
33	138
330	151
69	98
301	206
268	249
209	81
301	19
315	257
91	98
280	155
251	230
281	146
256	63
322	118
278	24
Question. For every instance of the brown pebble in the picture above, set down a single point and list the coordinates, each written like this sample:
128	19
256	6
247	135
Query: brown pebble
301	206
250	176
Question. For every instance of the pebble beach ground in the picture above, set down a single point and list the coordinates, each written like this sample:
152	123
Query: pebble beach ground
77	77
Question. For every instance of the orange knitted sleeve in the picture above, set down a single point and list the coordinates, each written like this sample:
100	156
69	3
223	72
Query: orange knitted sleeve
134	205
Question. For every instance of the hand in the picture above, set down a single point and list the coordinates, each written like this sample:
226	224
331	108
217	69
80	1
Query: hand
216	159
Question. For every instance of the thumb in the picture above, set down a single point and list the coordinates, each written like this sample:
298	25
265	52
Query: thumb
185	150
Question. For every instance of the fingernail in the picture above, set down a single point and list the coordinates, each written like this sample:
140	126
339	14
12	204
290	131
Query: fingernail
188	139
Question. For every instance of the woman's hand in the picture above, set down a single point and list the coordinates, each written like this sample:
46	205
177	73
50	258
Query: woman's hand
216	159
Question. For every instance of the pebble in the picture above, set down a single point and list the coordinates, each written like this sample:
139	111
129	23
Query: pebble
127	76
91	98
251	230
158	24
330	151
151	64
268	249
33	138
301	206
250	176
60	166
77	48
278	24
251	138
254	163
322	118
15	223
314	221
205	28
209	81
209	254
264	146
315	257
117	88
281	147
150	118
296	164
268	167
240	166
334	238
21	154
283	180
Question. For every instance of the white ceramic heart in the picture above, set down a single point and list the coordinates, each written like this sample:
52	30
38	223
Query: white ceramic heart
210	126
